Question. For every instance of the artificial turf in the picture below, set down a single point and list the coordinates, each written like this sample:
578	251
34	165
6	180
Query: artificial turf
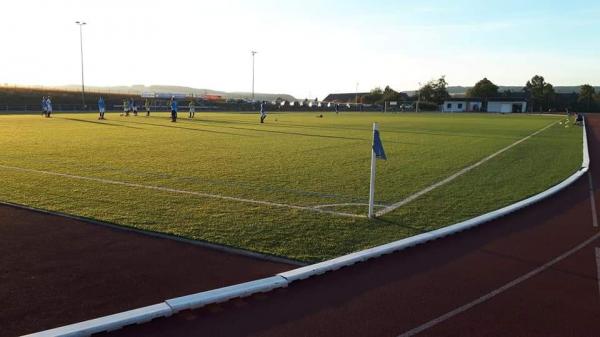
293	159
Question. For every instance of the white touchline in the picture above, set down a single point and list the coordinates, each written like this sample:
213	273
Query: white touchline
456	175
598	267
171	190
346	204
498	291
593	201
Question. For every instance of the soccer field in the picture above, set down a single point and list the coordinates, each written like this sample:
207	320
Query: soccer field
296	186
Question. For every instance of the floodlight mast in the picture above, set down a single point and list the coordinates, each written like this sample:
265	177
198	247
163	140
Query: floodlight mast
356	98
253	57
419	99
81	24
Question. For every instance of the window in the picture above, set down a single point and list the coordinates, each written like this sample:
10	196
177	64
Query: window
449	106
460	106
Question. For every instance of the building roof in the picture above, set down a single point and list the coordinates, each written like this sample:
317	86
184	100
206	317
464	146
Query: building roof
344	97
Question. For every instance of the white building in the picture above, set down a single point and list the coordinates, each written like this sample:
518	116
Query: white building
497	105
462	105
507	106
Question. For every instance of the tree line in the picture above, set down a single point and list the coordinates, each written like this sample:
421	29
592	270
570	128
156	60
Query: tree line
541	95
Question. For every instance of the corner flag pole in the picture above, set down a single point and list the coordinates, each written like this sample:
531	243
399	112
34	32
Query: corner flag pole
373	172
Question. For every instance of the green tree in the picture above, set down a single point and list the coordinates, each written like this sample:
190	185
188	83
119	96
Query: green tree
483	89
587	94
435	91
540	92
376	95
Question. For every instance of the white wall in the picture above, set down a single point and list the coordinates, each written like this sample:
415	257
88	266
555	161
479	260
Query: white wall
505	107
461	106
455	106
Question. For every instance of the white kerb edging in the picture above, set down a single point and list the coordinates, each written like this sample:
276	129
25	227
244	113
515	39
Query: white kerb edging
281	280
225	294
350	259
108	323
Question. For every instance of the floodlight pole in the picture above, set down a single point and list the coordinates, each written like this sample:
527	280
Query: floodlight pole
81	24
253	57
356	99
419	99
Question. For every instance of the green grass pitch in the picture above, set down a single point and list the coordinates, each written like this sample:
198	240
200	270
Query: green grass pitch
295	159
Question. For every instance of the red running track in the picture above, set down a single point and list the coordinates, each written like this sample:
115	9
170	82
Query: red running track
534	273
56	271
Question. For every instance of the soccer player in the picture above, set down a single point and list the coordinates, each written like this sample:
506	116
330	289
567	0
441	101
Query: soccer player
44	108
173	109
337	108
147	106
192	107
101	107
125	108
134	107
263	112
48	107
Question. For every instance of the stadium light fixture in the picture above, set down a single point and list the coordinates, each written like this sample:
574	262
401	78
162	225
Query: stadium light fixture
253	56
81	24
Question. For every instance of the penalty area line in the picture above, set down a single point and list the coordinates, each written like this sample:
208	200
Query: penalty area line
457	174
172	190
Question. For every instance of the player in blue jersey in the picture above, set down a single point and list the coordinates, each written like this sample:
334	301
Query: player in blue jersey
44	106
263	112
133	106
48	107
101	107
173	109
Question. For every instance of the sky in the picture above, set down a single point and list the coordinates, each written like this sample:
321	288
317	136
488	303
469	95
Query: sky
306	48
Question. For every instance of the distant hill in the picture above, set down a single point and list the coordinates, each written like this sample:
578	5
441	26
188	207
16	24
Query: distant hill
138	89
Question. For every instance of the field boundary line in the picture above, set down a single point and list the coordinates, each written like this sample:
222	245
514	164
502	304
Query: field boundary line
458	174
172	190
347	204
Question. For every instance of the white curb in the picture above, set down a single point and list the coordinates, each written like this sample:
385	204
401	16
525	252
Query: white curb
225	294
108	323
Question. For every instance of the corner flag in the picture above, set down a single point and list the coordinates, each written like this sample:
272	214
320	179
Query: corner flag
378	146
377	152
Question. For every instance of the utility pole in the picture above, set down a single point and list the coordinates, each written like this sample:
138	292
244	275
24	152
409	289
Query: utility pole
419	99
81	24
356	100
253	57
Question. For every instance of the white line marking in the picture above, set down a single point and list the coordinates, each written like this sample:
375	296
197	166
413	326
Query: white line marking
171	190
498	291
457	174
593	201
347	204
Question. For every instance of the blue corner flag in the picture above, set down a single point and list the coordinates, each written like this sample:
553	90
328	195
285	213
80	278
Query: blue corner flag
378	146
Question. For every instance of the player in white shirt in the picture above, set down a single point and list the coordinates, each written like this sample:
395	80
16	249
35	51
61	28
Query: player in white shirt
192	107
